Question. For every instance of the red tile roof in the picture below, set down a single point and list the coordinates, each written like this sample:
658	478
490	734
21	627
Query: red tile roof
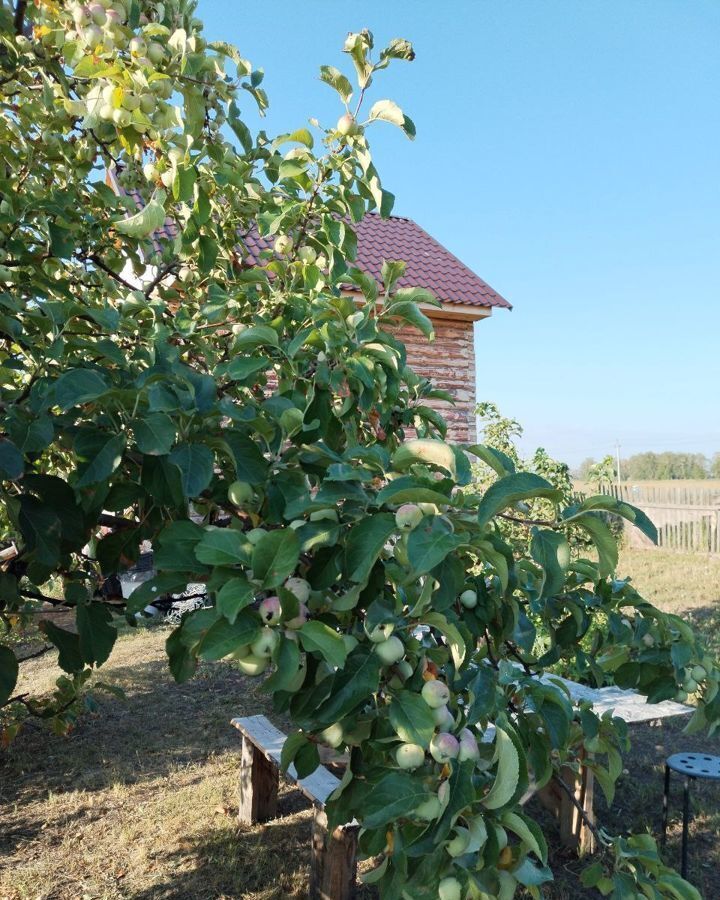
429	264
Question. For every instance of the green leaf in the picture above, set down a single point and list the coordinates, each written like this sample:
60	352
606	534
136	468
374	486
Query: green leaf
364	543
288	664
208	253
335	78
603	539
396	795
307	759
317	636
609	504
233	596
496	459
11	461
508	772
222	547
97	635
293	743
430	543
78	386
512	489
412	718
275	556
195	462
407	489
551	551
351	687
155	434
156	587
256	336
388	111
224	637
451	633
300	136
150	218
9	670
408	311
250	464
177	544
42	530
528	832
70	657
162	480
100	454
243	367
182	663
483	691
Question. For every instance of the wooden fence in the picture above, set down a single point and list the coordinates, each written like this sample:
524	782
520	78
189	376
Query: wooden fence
687	516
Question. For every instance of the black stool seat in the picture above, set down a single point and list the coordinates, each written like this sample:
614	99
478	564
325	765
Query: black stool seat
691	766
696	765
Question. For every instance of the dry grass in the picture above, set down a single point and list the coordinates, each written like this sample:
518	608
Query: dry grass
139	801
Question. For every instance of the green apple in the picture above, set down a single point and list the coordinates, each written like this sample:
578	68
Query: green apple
240	493
320	514
699	673
380	633
333	735
409	756
265	644
270	610
469	599
307	255
408	516
459	842
435	693
449	889
299	587
253	665
429	809
444	747
347	125
283	245
390	651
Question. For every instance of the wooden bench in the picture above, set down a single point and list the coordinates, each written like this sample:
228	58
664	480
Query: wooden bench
627	705
333	856
333	863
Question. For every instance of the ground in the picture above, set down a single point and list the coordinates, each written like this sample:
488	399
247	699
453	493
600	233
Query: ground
139	801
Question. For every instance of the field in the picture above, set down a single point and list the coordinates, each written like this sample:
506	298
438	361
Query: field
139	801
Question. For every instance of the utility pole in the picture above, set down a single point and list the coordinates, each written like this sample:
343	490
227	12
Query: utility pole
617	457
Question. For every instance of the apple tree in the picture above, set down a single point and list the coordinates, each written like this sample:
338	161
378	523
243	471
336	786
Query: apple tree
255	420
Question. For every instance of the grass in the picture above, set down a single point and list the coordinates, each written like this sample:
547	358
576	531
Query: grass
140	800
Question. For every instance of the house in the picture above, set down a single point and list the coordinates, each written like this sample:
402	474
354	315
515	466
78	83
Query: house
450	359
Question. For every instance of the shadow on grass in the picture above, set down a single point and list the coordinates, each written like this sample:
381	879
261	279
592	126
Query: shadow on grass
159	727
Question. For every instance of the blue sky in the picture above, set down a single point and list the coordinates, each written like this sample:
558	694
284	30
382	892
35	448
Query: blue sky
569	153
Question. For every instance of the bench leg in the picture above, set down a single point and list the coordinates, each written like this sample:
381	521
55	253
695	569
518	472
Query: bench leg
573	830
258	786
333	866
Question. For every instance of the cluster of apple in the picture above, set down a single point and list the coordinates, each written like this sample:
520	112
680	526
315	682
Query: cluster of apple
254	658
132	95
693	677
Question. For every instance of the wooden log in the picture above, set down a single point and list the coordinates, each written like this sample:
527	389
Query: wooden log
259	779
333	866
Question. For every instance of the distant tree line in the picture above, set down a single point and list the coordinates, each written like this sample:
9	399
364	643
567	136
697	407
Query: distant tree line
656	467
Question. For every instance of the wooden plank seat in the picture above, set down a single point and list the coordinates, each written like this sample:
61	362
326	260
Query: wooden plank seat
333	861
